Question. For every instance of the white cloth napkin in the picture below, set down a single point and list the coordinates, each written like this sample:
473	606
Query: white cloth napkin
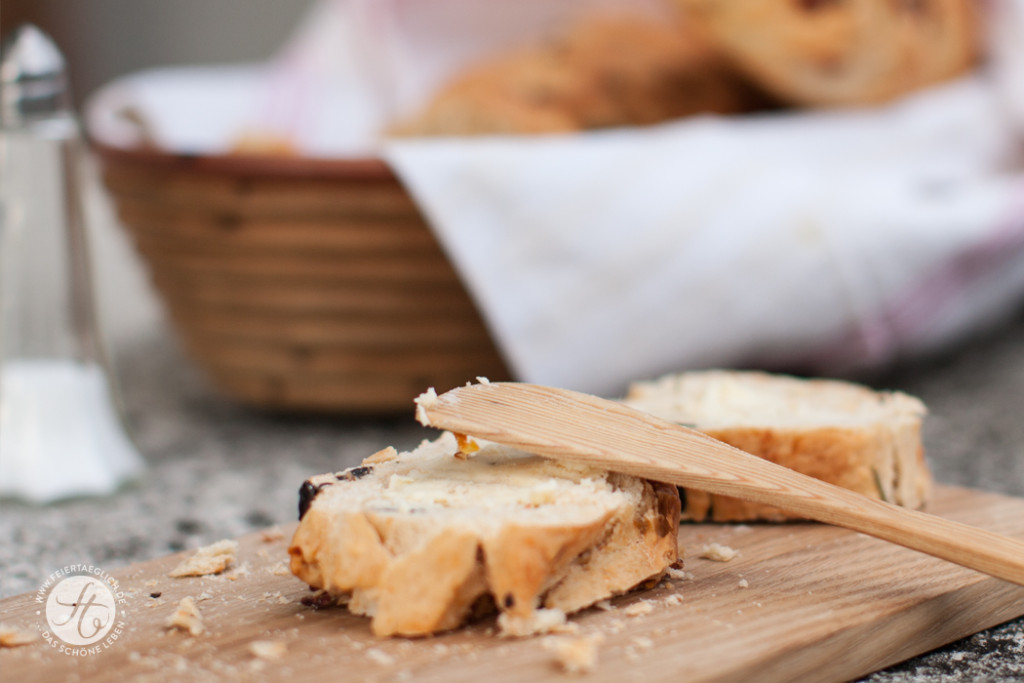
826	242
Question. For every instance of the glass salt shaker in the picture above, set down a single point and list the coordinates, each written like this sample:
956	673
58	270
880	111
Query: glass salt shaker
61	427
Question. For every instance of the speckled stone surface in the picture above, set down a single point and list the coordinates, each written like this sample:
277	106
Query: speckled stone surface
218	470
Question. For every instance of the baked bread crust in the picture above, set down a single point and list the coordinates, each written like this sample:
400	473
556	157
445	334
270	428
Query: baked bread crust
420	541
836	431
842	52
606	71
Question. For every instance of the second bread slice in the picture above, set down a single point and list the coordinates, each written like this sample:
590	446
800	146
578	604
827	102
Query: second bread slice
843	433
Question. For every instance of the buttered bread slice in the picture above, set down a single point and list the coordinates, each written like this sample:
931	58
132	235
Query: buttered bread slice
843	433
420	541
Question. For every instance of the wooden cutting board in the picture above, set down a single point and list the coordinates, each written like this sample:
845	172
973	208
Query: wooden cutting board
800	601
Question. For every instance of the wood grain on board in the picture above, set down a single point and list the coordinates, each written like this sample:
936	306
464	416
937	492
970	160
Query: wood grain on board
800	601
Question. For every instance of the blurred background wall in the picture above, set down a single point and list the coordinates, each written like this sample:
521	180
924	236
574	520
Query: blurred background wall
104	39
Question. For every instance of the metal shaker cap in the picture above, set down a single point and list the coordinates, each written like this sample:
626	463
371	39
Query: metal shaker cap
33	78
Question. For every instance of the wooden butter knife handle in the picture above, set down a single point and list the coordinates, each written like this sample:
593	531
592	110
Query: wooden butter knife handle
568	425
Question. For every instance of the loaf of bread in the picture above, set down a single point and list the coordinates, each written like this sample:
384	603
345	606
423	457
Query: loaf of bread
422	541
840	432
841	52
606	71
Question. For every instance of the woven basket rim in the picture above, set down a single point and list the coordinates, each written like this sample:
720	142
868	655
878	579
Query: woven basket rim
249	166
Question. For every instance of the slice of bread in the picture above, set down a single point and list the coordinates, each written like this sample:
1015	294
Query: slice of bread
840	432
421	541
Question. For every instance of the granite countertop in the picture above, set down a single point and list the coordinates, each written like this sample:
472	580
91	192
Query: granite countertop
217	470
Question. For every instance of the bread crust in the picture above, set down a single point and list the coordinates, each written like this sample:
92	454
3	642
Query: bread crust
650	534
866	441
842	52
428	566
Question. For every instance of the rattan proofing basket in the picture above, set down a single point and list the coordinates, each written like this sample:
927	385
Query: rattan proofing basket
299	284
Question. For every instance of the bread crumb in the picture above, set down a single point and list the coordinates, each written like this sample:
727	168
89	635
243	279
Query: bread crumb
643	642
717	552
380	657
271	535
674	599
268	649
743	583
638	609
541	621
186	617
605	605
11	636
211	559
574	655
427	399
677	573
